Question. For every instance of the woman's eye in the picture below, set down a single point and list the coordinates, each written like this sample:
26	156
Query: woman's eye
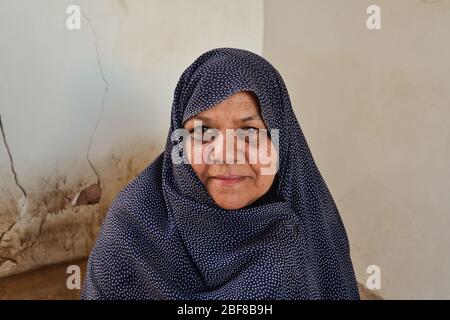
251	131
200	133
248	134
206	134
197	131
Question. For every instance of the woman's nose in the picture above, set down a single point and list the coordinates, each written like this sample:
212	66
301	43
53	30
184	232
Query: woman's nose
226	149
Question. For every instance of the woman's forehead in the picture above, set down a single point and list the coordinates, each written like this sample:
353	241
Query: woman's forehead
243	104
242	100
243	96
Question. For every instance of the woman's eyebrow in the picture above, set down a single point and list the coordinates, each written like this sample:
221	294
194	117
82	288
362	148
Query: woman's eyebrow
249	118
244	119
196	118
203	118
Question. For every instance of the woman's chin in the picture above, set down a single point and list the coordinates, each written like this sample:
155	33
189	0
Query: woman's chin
230	203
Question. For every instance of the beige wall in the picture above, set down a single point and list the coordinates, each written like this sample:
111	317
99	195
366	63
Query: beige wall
375	108
52	89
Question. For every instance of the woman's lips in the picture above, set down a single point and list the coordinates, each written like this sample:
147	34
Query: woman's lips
228	180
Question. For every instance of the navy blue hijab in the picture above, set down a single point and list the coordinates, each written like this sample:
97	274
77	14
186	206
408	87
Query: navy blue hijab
164	237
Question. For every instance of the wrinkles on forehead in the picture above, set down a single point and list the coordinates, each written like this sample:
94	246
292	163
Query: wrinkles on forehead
241	108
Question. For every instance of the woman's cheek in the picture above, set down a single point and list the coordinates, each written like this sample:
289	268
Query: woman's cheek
190	151
261	156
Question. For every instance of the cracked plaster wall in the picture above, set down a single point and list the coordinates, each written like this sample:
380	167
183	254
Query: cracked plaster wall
83	111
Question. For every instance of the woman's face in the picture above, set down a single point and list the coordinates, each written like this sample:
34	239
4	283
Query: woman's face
237	184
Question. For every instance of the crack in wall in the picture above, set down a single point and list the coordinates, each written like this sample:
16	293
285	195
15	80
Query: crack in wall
105	93
6	259
23	202
11	161
7	230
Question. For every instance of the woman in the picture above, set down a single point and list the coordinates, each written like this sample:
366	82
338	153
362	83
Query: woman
199	224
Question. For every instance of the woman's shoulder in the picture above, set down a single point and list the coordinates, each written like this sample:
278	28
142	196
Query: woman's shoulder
143	194
145	183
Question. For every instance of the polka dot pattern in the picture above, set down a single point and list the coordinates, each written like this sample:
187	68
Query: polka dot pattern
165	238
